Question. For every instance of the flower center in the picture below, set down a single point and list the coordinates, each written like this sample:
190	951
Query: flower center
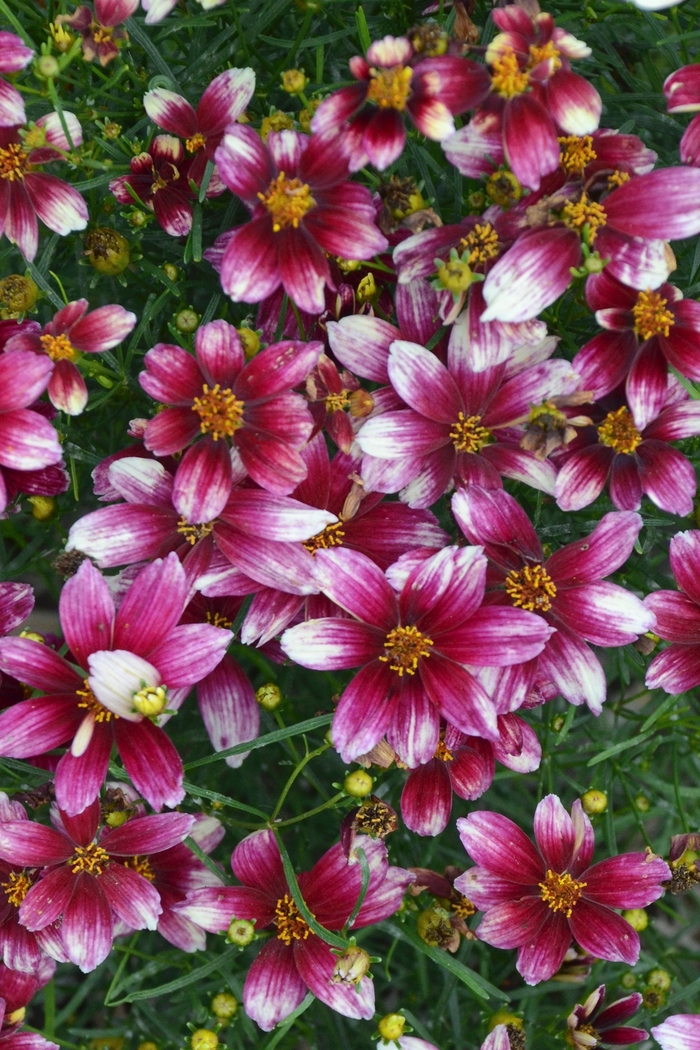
584	212
101	34
588	1029
289	923
59	348
91	859
16	888
461	906
141	866
576	152
561	892
220	413
443	752
467	435
481	243
376	818
196	143
405	647
545	53
217	619
151	701
287	201
618	178
192	533
619	432
337	402
390	88
456	275
531	588
508	79
13	162
651	316
90	701
332	536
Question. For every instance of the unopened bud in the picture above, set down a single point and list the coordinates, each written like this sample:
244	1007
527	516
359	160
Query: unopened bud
43	507
503	189
171	271
241	932
269	696
594	801
112	130
116	817
642	803
107	251
294	81
361	403
17	1016
628	980
204	1039
151	701
33	636
351	966
504	1017
391	1026
250	341
137	218
637	918
224	1006
367	289
46	66
358	784
187	321
19	294
660	980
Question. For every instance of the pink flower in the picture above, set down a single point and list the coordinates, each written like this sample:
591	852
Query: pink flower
296	959
391	80
540	898
678	1032
412	650
28	442
66	338
160	180
677	668
14	55
567	589
20	950
99	31
591	1026
89	882
27	192
218	395
16	990
682	91
464	765
221	105
127	661
302	207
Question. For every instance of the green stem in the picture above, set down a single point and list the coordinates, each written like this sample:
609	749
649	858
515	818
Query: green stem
309	919
295	773
49	1009
311	812
16	25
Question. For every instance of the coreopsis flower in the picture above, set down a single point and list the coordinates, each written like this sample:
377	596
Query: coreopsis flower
247	407
98	28
464	765
682	859
637	459
504	1037
28	193
11	1038
458	426
160	180
258	536
14	56
622	228
124	664
590	1024
90	882
394	79
20	950
223	102
682	91
678	1032
295	959
302	206
534	95
677	668
28	442
645	332
66	338
567	589
412	650
539	898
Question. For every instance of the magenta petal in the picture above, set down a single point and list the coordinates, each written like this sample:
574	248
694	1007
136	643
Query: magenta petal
27	441
530	140
604	614
315	963
86	609
426	800
213	907
573	102
132	897
79	779
513	923
384	138
172	376
358	585
203	481
123	534
152	606
631	880
273	987
228	707
67	389
554	833
685	562
330	644
152	762
541	958
102	329
171	112
574	669
459	697
582	477
151	834
497	636
37	665
256	861
225	99
57	204
365	711
604	551
87	924
677	617
604	933
190	652
531	275
472	768
494	842
423	382
28	845
680	1031
12	110
249	268
676	192
667	477
415	729
35	726
47	899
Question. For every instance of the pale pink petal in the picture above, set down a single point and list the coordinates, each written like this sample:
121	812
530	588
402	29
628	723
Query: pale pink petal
87	924
554	833
273	987
315	964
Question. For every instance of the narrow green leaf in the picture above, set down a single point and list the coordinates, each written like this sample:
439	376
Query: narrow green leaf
362	29
366	875
264	741
320	931
660	710
624	745
180	982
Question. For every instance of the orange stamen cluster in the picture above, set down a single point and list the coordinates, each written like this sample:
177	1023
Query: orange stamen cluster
192	533
16	888
467	434
390	88
13	162
561	892
287	201
584	212
618	431
531	588
405	646
59	347
196	143
331	536
576	152
219	411
651	316
289	923
481	243
508	79
90	701
92	859
141	866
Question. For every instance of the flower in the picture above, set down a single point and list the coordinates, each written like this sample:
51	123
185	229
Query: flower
86	880
567	589
590	1025
677	668
302	206
223	102
539	899
393	79
682	91
127	661
412	650
20	950
27	192
678	1032
160	180
66	338
99	31
250	406
296	958
14	55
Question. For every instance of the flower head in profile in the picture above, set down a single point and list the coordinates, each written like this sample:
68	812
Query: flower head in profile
539	898
592	1024
99	28
296	959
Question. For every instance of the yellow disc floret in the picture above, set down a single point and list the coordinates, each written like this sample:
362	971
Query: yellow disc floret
467	434
13	162
531	588
561	892
576	152
91	859
618	431
219	411
287	201
405	646
390	88
289	923
59	347
584	213
508	79
651	316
